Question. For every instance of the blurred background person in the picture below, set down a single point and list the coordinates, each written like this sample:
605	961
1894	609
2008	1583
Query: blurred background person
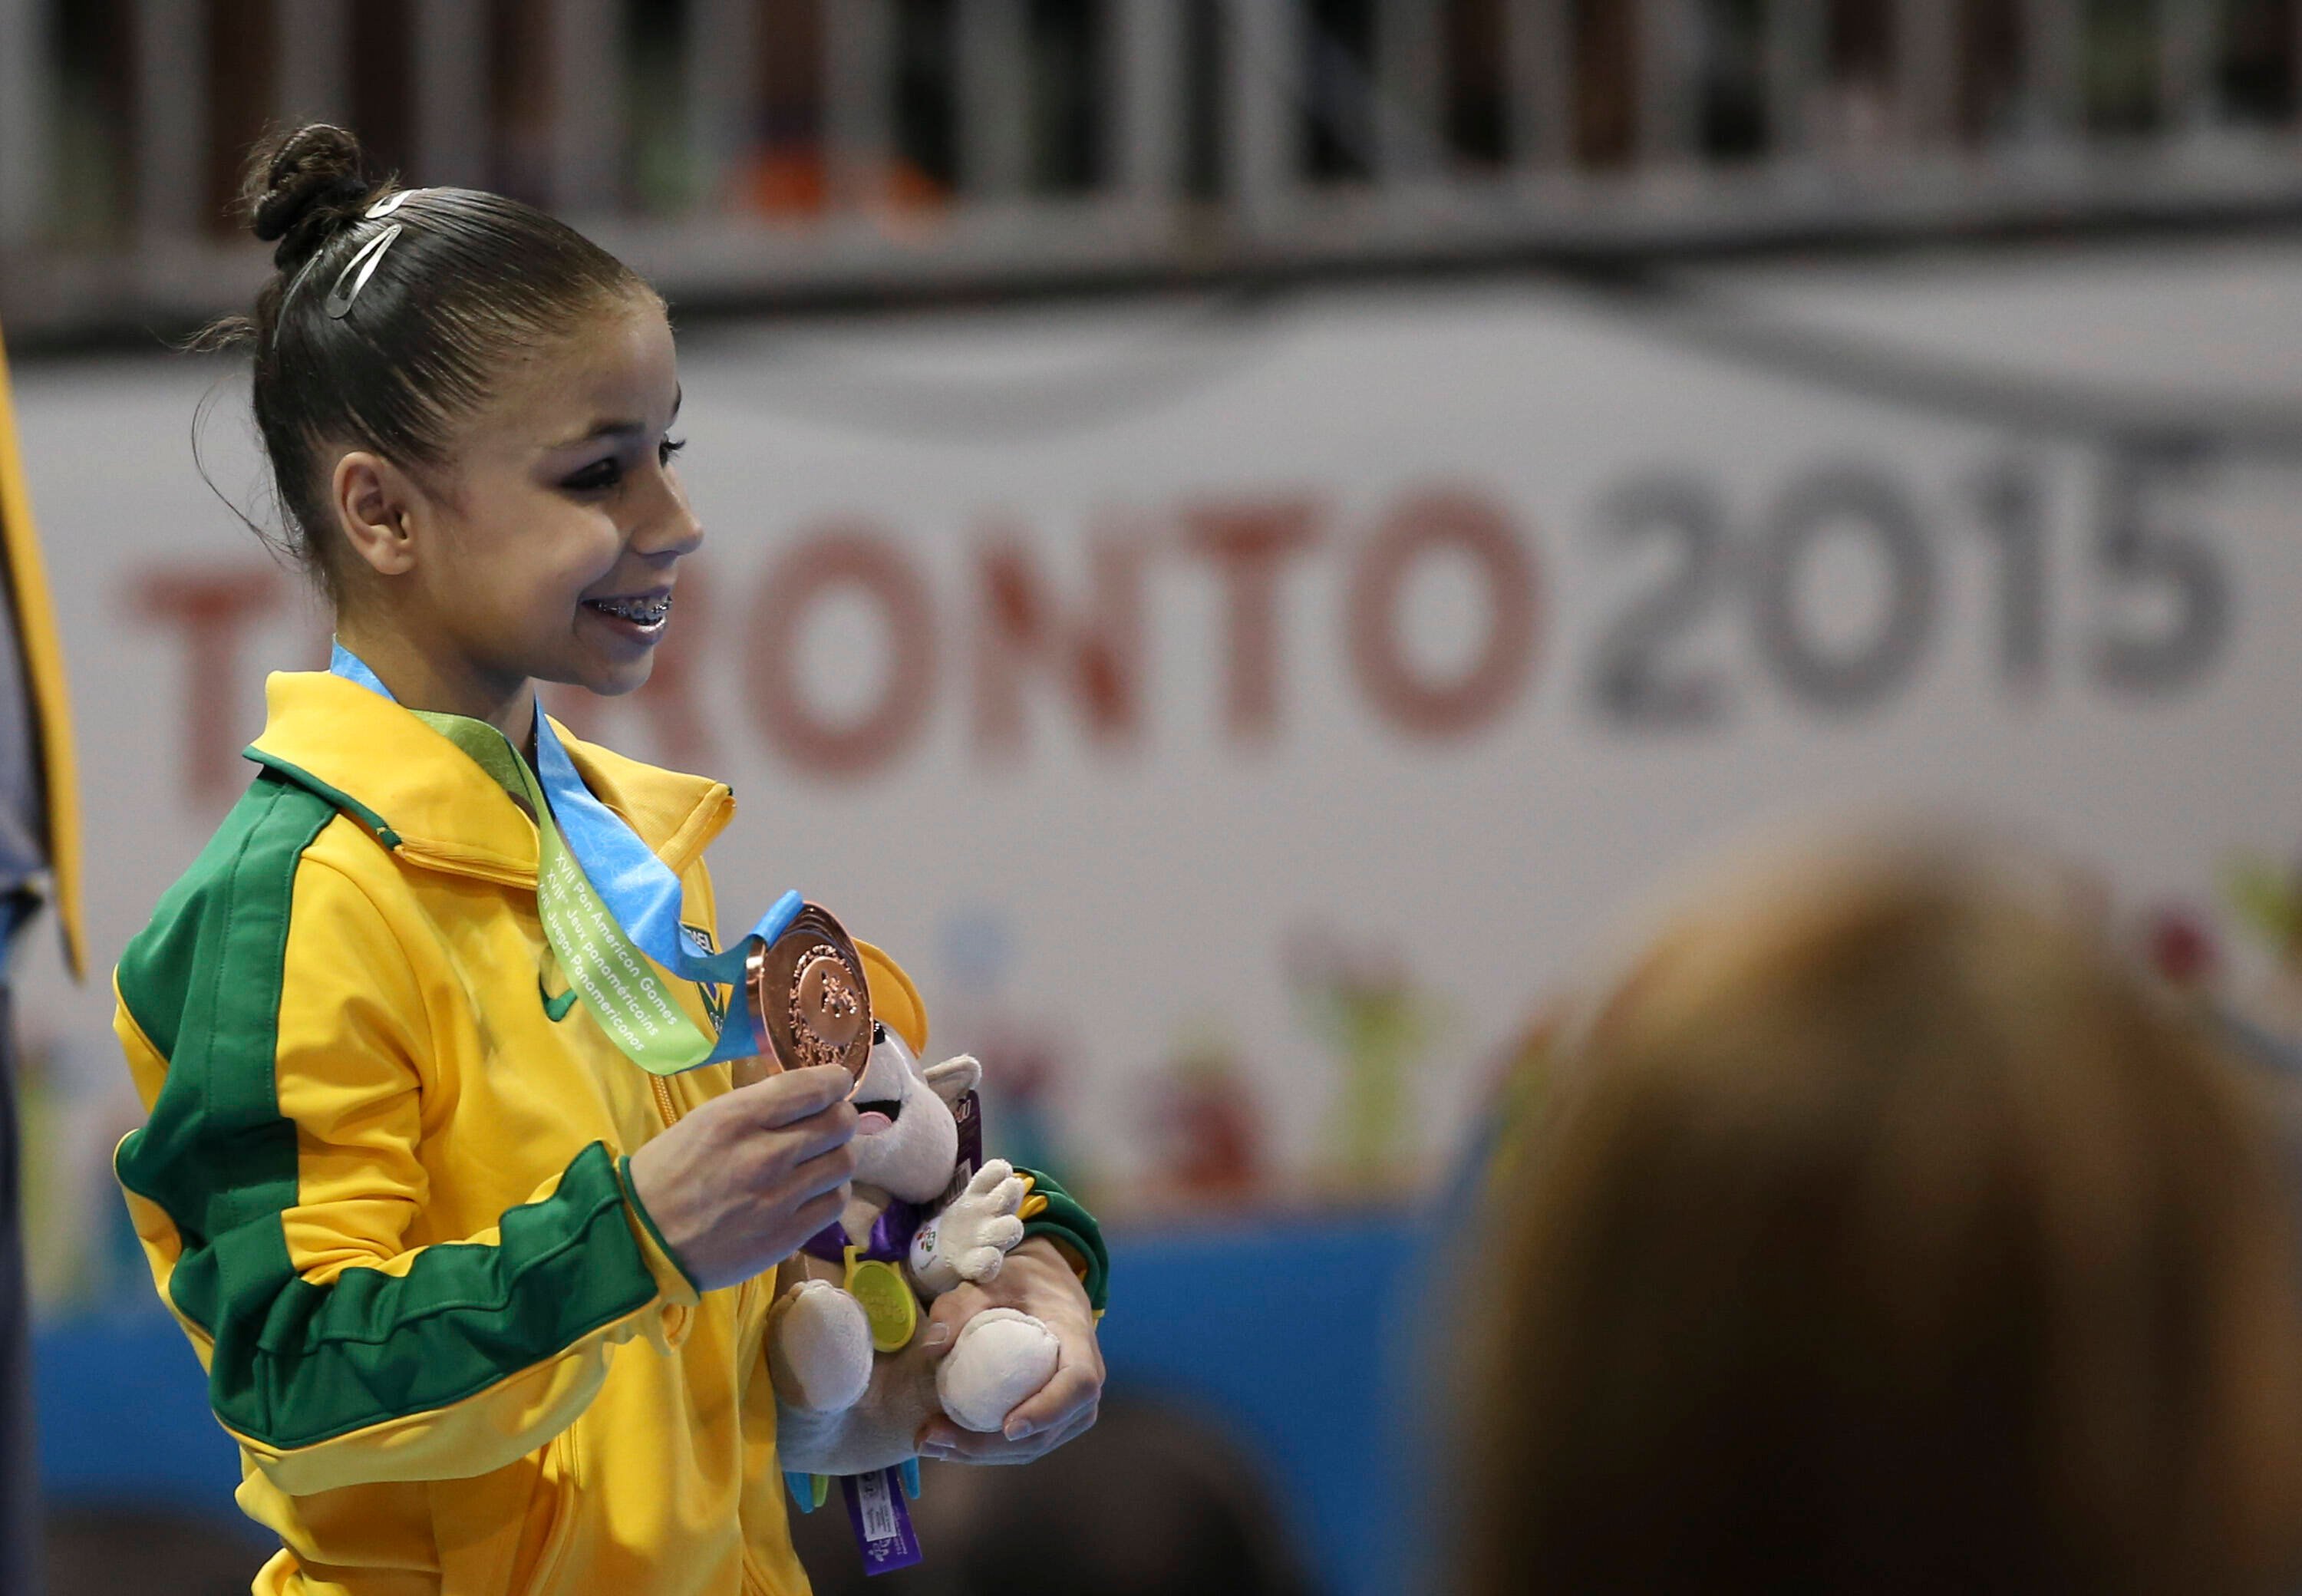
1883	1233
39	865
1154	1501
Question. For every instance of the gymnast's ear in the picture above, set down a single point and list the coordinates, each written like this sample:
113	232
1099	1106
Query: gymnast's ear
377	513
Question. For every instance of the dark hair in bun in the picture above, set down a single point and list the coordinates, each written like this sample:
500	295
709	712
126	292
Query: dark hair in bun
312	185
470	281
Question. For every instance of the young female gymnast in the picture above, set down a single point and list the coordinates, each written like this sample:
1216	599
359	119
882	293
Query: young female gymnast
481	1299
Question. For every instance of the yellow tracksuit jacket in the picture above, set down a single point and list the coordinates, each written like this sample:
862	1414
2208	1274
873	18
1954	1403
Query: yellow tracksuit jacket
380	1187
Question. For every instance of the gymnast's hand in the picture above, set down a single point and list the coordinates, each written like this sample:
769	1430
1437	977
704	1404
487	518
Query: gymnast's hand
736	1185
1035	1278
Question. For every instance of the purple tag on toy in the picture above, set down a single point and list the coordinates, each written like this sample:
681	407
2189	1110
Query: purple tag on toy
883	1523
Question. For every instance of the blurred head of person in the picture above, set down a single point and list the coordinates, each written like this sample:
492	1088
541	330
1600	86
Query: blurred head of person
1155	1500
1882	1233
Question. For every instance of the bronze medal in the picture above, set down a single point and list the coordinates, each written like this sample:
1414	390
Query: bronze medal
807	999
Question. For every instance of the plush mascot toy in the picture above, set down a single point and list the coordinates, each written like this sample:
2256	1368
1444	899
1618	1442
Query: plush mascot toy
923	1218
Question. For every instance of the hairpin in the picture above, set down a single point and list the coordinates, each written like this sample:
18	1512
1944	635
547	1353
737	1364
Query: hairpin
340	301
389	203
358	270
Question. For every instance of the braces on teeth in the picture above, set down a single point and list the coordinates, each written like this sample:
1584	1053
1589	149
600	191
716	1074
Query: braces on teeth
647	612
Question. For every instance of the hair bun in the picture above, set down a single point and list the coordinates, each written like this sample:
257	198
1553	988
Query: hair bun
305	187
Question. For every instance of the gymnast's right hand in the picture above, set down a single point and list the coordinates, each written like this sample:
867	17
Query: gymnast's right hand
736	1185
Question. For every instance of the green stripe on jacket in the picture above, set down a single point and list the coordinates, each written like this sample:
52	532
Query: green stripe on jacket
294	1362
1066	1217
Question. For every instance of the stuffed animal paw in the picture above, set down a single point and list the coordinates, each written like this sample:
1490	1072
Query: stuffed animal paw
1002	1356
971	1237
819	1347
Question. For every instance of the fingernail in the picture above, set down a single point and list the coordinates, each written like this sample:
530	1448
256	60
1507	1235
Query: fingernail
936	1336
1018	1429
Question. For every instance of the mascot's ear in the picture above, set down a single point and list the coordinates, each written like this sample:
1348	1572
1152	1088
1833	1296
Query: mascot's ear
953	1078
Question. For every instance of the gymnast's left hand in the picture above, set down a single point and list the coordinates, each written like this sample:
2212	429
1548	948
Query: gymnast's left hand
1035	1280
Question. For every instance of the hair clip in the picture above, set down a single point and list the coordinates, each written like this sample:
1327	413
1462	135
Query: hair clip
358	270
389	203
371	254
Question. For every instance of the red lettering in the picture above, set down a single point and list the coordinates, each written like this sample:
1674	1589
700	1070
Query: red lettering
1248	543
212	609
1433	522
844	555
1098	656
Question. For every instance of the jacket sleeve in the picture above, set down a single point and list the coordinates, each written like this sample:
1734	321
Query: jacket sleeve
277	1180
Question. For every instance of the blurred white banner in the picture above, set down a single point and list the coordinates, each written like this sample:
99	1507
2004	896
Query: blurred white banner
1216	704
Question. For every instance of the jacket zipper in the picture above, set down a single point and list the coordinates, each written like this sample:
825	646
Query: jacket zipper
663	1100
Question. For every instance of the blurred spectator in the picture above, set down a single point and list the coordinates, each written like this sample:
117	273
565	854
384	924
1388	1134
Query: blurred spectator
102	1551
37	862
1147	1503
1883	1234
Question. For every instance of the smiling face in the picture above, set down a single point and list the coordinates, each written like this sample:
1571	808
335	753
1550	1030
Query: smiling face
549	547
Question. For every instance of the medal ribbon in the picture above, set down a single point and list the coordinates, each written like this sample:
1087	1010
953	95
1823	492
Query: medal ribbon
609	907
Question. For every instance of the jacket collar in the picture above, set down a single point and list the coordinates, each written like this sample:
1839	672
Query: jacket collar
426	800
